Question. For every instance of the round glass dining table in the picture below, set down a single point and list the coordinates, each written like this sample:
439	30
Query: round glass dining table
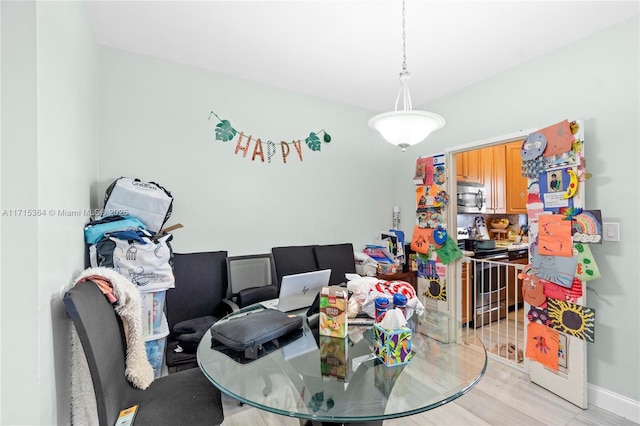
321	379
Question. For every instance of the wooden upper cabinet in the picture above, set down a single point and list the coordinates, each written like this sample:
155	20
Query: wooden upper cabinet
493	160
468	167
516	183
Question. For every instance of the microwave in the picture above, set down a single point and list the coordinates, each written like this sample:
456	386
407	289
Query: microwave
471	198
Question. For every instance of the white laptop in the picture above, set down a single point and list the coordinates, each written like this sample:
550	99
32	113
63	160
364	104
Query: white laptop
298	291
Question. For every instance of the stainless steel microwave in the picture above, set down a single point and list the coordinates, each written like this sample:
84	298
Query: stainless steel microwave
471	198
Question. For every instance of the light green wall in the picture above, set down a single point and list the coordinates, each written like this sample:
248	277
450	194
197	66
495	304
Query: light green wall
153	125
596	79
49	162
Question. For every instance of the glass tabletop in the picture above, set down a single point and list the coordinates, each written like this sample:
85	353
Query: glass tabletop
339	380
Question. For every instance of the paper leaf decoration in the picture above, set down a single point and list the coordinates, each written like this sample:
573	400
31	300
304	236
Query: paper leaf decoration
224	131
313	142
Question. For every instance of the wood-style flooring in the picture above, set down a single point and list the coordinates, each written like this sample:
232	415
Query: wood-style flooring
504	396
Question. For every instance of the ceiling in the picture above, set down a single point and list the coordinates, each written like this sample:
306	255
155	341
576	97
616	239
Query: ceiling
351	51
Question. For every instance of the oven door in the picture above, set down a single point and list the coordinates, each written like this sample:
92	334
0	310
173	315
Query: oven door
490	282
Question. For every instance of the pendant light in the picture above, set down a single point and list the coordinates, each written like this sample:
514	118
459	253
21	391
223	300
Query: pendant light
407	126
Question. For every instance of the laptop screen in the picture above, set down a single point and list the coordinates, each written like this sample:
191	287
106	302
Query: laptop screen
298	291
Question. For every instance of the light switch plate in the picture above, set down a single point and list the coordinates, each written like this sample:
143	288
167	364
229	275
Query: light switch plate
610	231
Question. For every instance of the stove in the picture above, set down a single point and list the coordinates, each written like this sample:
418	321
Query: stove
498	253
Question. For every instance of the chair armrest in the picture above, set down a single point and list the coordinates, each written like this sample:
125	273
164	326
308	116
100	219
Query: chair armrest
230	306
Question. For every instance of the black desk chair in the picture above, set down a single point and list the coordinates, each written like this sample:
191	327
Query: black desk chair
187	397
291	260
194	304
251	279
337	257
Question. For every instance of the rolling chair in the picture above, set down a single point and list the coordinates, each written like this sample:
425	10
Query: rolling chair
187	397
250	279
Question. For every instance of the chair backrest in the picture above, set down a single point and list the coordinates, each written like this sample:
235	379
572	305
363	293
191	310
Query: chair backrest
256	270
201	285
251	279
291	260
100	331
337	257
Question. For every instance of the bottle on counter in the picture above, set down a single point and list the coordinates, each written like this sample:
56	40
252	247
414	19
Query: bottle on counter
381	306
400	302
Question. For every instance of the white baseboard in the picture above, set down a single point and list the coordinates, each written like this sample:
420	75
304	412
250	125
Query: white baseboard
614	403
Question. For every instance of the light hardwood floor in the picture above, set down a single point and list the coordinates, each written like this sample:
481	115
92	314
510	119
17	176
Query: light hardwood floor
500	333
504	396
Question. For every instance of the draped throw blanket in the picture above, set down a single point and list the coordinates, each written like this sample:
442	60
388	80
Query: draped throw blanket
124	296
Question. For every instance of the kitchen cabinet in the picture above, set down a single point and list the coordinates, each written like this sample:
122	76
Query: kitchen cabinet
493	160
467	299
516	187
468	166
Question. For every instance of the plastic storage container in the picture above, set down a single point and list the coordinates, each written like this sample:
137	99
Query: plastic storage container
155	345
152	311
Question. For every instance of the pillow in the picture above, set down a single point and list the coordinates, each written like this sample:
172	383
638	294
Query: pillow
249	296
189	333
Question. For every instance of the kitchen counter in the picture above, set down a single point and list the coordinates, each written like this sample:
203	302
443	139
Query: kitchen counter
517	246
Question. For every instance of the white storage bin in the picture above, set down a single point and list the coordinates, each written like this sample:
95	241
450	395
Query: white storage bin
155	345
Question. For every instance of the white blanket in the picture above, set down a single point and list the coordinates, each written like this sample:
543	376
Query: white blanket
138	369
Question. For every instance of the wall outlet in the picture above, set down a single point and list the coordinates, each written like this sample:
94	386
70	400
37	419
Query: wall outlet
610	231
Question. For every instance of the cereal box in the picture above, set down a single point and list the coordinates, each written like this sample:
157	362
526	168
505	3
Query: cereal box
333	311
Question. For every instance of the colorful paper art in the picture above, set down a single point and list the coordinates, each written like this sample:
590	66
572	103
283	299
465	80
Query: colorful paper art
449	251
533	146
559	138
426	195
563	352
572	319
418	177
533	291
553	186
557	269
538	314
586	227
436	289
559	292
421	239
554	236
587	268
542	345
430	217
533	163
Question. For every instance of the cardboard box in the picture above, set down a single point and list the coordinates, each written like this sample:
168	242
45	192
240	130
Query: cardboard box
393	347
334	357
333	311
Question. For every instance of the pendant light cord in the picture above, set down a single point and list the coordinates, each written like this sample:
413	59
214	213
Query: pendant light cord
404	43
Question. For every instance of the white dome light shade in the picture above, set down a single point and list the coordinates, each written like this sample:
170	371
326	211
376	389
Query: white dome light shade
406	127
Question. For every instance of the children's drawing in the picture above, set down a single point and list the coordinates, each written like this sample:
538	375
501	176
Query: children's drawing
575	320
586	227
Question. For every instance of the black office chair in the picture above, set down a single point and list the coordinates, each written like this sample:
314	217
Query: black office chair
187	397
196	303
291	260
337	257
251	279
